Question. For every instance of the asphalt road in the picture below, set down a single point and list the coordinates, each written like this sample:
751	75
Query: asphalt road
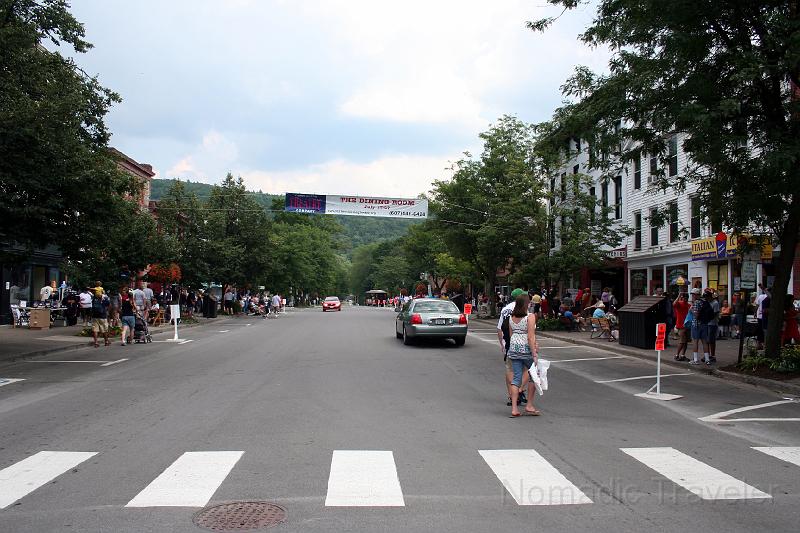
331	417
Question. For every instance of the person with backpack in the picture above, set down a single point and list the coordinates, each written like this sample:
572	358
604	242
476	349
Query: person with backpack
504	336
100	305
702	313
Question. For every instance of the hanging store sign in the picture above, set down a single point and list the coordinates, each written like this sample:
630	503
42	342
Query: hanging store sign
722	246
366	206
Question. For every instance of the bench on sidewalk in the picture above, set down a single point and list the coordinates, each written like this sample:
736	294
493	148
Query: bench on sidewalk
568	324
601	327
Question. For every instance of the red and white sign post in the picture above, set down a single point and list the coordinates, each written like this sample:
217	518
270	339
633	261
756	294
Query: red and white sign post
661	338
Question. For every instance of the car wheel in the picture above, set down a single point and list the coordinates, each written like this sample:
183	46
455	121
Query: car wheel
460	340
397	333
406	339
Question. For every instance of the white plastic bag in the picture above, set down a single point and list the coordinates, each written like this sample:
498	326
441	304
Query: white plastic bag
534	373
543	365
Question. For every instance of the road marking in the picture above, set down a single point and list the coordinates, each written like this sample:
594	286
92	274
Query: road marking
363	478
644	377
26	476
185	341
587	359
8	381
64	361
223	331
790	454
114	362
530	479
695	476
190	481
720	417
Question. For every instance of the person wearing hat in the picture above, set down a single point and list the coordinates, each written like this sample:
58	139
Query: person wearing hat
504	336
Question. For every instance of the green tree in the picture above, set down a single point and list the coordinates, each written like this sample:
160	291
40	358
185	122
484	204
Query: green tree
725	74
492	210
182	221
56	177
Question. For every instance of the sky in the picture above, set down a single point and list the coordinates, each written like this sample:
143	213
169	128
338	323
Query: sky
352	97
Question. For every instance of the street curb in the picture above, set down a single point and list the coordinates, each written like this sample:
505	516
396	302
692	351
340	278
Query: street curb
771	384
62	349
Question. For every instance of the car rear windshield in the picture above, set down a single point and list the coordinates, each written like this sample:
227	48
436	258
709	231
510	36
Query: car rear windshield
331	299
435	307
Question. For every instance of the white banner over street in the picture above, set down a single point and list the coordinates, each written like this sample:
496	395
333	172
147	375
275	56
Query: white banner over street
365	206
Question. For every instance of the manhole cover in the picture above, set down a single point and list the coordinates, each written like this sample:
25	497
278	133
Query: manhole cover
240	516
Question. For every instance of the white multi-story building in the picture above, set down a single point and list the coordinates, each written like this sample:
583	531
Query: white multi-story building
684	251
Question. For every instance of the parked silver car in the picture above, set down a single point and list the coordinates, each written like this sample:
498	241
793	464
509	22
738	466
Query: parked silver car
426	317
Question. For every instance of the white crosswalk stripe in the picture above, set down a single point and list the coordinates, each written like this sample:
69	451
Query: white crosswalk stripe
363	478
790	454
695	476
24	477
531	480
369	478
190	481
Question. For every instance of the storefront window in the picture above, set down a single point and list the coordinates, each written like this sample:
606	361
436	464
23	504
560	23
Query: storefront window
718	278
656	278
638	282
20	285
673	274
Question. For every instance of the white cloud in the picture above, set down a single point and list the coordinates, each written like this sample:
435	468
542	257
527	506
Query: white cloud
394	175
209	161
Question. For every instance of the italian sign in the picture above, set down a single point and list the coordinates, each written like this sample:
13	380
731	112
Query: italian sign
724	246
661	334
366	206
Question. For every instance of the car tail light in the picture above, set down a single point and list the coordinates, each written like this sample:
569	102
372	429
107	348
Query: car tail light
462	319
416	319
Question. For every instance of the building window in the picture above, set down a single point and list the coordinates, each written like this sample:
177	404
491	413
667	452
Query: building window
696	221
637	172
637	230
593	194
618	197
561	228
564	187
552	191
576	169
653	166
674	235
653	227
673	155
578	145
604	198
552	233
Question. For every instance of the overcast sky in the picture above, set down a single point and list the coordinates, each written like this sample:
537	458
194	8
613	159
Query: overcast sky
328	96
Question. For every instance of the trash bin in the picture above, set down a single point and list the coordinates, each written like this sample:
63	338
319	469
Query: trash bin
638	319
210	307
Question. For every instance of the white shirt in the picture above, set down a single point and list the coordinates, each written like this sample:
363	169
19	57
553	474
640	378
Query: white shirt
760	298
148	294
506	311
85	299
276	301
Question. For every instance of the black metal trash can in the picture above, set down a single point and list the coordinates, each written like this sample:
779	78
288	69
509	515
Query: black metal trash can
638	319
209	306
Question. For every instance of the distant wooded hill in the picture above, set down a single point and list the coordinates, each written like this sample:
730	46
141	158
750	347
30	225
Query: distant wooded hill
356	230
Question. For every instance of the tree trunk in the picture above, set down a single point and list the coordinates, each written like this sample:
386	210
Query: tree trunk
789	240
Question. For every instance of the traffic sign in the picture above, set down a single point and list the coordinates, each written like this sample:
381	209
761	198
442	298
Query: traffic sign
661	335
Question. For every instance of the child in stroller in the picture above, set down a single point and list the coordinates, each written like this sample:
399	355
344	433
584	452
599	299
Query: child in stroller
141	333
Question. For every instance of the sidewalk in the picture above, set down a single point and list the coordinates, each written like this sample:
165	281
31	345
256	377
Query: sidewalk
19	343
727	354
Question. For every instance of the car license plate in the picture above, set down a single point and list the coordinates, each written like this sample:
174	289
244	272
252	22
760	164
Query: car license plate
440	321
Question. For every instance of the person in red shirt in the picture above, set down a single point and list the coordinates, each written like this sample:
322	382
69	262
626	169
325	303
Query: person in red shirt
681	308
790	329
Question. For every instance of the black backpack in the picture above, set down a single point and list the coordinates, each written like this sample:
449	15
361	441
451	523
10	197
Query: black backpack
97	307
706	313
506	329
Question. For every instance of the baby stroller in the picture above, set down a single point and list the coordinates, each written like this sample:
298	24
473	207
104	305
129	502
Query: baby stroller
141	333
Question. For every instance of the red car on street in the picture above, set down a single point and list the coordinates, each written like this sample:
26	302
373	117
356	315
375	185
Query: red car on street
331	303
